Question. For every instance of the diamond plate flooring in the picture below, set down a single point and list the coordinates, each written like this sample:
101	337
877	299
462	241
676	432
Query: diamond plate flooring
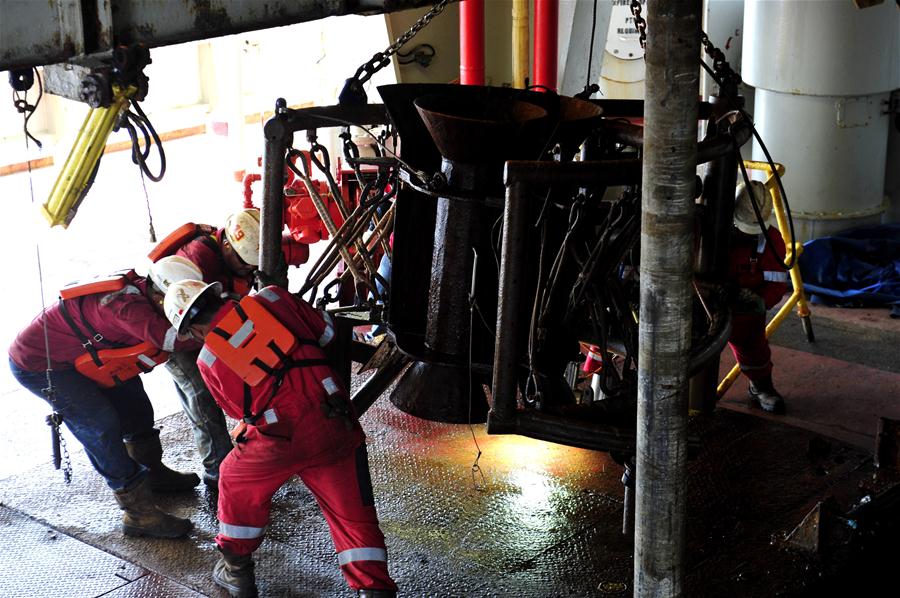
527	519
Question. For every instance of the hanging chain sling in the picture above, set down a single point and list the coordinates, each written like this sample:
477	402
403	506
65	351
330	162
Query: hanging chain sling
353	93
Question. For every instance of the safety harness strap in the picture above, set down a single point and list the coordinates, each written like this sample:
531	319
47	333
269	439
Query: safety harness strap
288	364
86	341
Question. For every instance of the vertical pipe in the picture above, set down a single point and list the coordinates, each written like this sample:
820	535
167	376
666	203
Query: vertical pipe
546	52
277	137
520	43
504	386
471	42
670	152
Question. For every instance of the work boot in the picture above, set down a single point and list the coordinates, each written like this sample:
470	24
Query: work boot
234	572
148	452
763	395
376	594
143	518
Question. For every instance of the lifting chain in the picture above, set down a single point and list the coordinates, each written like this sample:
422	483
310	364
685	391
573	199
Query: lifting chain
720	64
353	92
721	67
639	22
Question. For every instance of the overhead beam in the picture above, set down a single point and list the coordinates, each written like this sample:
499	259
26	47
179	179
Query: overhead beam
37	33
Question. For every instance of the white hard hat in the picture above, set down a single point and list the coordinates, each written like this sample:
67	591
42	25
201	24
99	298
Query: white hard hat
182	301
744	216
242	231
171	269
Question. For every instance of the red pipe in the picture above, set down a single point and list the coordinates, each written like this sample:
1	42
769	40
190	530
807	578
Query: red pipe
546	51
248	189
471	42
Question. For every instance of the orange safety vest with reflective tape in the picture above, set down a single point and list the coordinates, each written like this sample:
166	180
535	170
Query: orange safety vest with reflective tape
251	341
254	344
113	366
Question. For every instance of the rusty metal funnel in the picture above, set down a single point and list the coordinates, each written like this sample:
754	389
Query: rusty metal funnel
577	118
473	130
440	393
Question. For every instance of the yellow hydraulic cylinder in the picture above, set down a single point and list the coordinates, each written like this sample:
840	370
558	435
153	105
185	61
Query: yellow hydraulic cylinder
71	184
797	297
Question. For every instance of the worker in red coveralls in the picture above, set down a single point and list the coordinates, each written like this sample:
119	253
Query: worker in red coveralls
263	361
229	256
762	282
83	356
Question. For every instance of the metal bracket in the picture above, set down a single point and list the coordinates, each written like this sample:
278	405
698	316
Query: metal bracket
90	78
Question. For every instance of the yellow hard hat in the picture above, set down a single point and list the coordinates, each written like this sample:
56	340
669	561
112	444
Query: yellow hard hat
171	269
182	301
242	232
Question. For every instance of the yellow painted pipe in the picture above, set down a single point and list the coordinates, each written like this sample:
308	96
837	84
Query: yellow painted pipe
69	188
520	40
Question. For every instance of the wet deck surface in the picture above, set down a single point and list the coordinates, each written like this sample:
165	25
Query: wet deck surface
544	520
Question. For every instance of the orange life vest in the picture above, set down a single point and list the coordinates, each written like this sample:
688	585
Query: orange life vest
178	238
114	366
102	284
107	367
251	341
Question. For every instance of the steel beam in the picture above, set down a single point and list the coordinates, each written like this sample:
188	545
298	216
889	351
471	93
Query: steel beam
669	173
34	33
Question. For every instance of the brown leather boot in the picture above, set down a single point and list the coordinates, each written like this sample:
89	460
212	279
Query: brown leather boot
143	518
148	452
234	572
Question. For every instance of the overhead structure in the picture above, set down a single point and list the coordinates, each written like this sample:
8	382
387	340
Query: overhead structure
60	30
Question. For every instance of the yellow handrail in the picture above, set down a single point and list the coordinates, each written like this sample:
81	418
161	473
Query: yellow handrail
797	297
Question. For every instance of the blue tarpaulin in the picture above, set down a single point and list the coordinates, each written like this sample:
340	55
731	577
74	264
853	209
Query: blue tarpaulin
857	267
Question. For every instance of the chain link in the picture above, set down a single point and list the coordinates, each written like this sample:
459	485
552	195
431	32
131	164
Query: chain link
720	65
382	59
639	22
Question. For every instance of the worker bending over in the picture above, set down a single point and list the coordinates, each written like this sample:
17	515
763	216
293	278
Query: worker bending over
762	282
265	365
90	346
229	256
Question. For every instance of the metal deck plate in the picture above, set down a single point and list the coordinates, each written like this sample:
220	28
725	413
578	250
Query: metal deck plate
544	520
36	560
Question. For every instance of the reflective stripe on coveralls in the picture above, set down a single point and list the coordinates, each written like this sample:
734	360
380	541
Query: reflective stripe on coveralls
310	439
361	554
241	532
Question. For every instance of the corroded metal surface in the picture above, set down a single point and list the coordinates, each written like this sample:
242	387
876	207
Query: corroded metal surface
57	30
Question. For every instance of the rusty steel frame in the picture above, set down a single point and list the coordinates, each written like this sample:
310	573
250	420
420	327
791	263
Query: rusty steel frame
61	30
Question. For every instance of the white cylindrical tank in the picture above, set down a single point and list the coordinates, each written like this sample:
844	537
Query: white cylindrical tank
622	70
823	72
